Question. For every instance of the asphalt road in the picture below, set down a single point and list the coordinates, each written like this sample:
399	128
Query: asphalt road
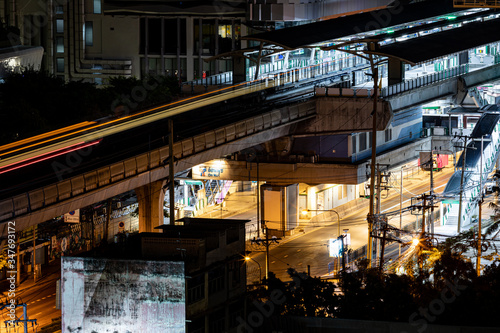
311	248
40	299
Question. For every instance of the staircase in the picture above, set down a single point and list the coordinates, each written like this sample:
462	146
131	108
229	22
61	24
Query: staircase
488	128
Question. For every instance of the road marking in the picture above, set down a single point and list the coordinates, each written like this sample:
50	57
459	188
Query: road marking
285	256
44	297
272	262
36	314
299	250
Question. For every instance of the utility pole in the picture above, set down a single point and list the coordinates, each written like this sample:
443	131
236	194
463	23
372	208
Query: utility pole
34	254
421	203
266	242
371	217
369	54
381	185
25	320
481	199
431	215
400	207
384	228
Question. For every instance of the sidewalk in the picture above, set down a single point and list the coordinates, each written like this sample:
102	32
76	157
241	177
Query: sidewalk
234	204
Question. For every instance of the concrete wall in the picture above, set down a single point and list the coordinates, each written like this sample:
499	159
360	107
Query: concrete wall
106	295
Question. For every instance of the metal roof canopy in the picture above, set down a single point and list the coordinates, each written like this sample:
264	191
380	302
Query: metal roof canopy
318	32
439	44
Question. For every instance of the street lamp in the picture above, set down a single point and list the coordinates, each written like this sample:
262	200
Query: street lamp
247	258
305	211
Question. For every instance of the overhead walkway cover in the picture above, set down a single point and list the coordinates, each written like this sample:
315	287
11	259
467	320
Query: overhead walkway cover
308	34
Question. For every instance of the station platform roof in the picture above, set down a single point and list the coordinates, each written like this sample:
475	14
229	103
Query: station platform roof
439	44
318	32
413	50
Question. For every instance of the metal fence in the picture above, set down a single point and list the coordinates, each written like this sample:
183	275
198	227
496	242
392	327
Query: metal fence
425	80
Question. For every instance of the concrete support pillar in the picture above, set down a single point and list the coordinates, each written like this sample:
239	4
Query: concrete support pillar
150	198
280	206
396	71
463	58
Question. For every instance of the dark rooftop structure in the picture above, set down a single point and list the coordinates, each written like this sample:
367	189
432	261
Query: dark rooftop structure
393	15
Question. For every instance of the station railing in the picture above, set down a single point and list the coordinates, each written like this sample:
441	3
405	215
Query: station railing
425	80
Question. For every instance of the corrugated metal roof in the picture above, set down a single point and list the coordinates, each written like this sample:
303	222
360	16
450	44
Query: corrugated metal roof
453	185
447	42
308	34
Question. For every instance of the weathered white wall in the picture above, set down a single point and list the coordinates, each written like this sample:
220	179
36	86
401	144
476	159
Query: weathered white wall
107	295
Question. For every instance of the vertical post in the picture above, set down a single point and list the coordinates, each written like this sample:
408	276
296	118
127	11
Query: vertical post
341	238
478	261
377	212
92	244
34	253
401	206
373	160
18	262
267	253
171	193
381	263
258	200
462	187
431	216
162	48
259	57
108	218
25	318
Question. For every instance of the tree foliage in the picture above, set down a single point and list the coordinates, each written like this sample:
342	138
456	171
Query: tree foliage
448	293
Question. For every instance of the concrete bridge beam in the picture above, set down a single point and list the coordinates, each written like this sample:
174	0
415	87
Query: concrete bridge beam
150	197
335	115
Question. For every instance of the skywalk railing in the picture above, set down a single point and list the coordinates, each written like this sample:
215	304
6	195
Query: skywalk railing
422	81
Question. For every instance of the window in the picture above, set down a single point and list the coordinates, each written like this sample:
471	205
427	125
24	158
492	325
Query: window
235	273
196	289
88	33
217	321
362	141
232	235
388	134
172	29
59	10
60	65
369	139
340	193
207	36
354	144
97	6
216	280
60	44
59	26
